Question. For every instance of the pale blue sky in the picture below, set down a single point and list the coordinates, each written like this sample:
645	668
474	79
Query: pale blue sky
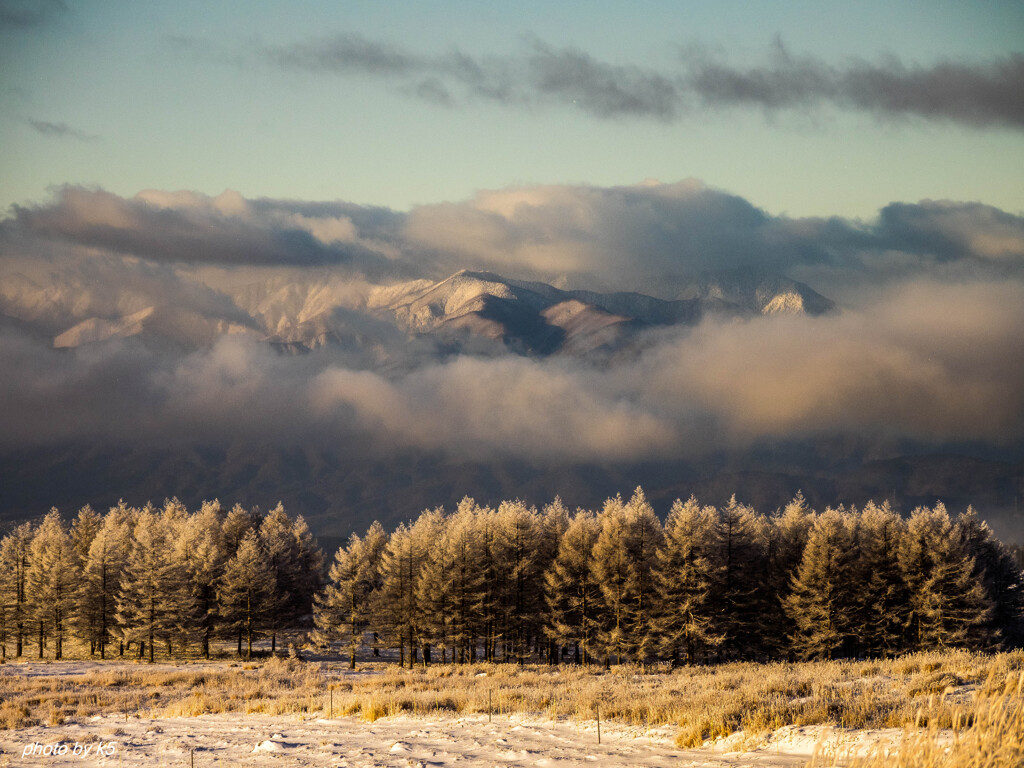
193	95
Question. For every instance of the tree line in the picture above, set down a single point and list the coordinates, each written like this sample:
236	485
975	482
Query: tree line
710	584
514	583
125	581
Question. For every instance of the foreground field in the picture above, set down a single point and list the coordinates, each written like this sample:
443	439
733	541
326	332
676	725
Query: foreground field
952	709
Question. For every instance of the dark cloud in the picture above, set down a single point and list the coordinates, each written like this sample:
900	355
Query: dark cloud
60	130
346	54
190	228
572	76
972	94
21	14
981	94
655	238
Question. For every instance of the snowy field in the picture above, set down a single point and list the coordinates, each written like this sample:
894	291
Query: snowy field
151	732
471	742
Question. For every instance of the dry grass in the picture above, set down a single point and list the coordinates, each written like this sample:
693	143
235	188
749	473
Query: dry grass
988	733
953	690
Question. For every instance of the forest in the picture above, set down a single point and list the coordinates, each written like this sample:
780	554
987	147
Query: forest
516	584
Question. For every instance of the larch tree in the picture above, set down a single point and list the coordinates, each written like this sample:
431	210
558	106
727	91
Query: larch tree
787	536
610	565
553	523
342	610
1000	576
247	592
238	522
101	578
150	586
738	592
517	527
948	605
14	563
84	527
456	571
396	605
821	603
571	591
623	564
882	597
53	578
683	574
199	550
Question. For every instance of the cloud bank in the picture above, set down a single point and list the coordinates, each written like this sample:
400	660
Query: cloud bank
972	94
95	288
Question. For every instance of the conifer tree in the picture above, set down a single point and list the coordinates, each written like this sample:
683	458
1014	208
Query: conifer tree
85	526
453	582
396	606
150	585
101	577
571	590
738	591
343	609
247	591
553	523
517	535
237	523
882	599
282	553
53	577
947	603
14	564
787	537
198	549
683	574
821	603
999	575
623	564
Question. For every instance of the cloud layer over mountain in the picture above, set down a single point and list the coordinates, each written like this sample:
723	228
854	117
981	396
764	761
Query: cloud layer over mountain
175	318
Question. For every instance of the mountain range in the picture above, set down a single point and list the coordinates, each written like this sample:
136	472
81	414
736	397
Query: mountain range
466	311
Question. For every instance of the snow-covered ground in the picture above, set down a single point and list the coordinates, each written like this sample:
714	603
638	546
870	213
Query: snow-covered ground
470	742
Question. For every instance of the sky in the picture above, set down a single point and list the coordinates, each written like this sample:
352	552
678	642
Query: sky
182	183
803	108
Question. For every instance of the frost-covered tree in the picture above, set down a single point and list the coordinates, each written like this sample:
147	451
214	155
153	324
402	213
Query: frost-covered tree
738	591
786	538
999	575
552	525
396	607
309	566
282	553
85	526
53	577
683	574
623	563
572	593
517	528
14	564
198	549
948	605
882	598
821	603
101	578
342	610
247	592
238	522
151	585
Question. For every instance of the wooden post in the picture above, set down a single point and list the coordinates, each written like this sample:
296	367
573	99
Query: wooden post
488	705
598	708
